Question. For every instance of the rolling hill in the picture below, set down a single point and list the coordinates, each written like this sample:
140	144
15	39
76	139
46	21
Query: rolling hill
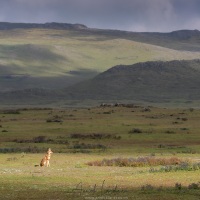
56	62
57	55
152	82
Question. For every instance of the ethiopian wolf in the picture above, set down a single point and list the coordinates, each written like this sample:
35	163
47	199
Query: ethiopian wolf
45	160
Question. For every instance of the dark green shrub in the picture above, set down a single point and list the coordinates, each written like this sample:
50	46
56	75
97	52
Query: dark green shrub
135	130
178	186
193	186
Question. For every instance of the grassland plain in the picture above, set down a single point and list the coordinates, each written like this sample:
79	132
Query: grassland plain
78	136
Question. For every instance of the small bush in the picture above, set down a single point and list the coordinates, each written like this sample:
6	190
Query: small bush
161	146
188	151
88	146
135	130
39	139
54	120
11	112
109	112
147	187
191	109
184	129
170	132
193	186
178	186
146	110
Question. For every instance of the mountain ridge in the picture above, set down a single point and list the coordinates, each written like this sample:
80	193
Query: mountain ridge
48	25
63	25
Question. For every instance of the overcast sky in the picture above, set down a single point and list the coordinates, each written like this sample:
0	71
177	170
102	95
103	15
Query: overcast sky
131	15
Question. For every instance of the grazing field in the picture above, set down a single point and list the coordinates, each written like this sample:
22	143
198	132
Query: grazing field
107	152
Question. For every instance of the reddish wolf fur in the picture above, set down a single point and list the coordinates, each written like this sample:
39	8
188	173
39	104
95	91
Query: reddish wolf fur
45	160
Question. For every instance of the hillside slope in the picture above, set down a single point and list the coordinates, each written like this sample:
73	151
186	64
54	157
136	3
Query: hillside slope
56	55
150	81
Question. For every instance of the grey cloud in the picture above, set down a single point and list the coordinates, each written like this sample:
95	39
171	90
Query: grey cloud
133	15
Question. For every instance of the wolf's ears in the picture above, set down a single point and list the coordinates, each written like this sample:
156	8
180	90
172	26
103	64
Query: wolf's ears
49	150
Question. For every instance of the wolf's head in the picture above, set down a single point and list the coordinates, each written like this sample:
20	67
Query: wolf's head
49	151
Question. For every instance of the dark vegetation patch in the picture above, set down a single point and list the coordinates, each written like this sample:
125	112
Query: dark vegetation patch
109	105
10	112
24	149
35	109
177	148
184	166
193	186
94	136
170	132
136	162
135	131
41	139
107	112
88	146
184	129
55	118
